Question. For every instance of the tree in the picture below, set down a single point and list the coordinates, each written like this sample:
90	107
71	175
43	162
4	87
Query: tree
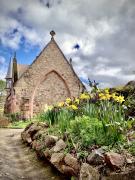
2	87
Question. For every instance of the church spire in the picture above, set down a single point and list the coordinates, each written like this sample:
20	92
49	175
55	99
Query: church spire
15	55
9	76
10	70
15	70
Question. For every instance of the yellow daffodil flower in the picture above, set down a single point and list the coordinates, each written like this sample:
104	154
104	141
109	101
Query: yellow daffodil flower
103	97
47	108
60	104
113	95
106	91
108	96
74	107
120	99
84	96
101	94
68	100
77	101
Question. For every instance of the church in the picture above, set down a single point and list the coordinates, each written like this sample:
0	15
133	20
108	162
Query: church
48	80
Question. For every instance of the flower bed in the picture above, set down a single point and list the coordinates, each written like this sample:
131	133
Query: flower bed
99	164
86	136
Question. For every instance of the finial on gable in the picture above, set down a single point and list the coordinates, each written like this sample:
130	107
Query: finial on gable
52	34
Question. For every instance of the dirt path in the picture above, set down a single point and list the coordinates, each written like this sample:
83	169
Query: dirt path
19	162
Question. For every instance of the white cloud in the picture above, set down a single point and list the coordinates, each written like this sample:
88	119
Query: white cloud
3	67
103	29
2	60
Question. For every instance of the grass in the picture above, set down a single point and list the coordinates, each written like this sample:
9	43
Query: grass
19	124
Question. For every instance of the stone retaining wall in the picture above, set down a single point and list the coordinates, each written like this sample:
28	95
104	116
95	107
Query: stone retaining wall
53	148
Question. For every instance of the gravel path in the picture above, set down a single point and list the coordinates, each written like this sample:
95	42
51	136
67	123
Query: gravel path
18	162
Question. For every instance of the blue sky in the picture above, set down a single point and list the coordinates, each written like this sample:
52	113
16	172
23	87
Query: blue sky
98	35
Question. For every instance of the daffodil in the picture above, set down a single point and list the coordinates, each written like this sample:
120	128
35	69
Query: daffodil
84	96
108	96
68	100
113	95
77	100
47	108
60	104
74	107
103	97
101	94
106	90
120	99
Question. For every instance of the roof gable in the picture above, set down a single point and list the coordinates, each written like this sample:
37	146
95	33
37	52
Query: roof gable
51	58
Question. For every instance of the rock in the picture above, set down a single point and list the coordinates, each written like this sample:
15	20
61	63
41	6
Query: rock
96	157
72	162
127	175
39	146
29	132
87	172
68	171
34	144
56	160
4	122
33	129
43	124
130	83
38	134
129	161
26	137
129	158
28	126
50	140
48	153
114	160
60	145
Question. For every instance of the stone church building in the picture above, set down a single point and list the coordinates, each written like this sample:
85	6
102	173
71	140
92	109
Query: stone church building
48	80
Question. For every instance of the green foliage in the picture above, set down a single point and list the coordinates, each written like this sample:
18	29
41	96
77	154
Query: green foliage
58	116
130	104
97	119
14	117
50	115
132	148
129	92
91	131
2	87
82	155
2	95
19	124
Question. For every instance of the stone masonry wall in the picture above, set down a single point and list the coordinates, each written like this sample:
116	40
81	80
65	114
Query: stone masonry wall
50	79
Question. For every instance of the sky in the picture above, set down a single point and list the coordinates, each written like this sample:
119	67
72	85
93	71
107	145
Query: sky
98	35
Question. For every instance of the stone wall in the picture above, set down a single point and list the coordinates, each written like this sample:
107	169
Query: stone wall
49	79
99	164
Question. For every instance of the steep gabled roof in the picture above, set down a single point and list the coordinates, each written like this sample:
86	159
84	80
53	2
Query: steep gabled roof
21	69
53	40
24	68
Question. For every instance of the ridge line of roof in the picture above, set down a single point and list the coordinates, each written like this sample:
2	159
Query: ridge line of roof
53	40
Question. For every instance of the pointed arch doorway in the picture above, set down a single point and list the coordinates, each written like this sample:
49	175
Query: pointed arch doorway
50	90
